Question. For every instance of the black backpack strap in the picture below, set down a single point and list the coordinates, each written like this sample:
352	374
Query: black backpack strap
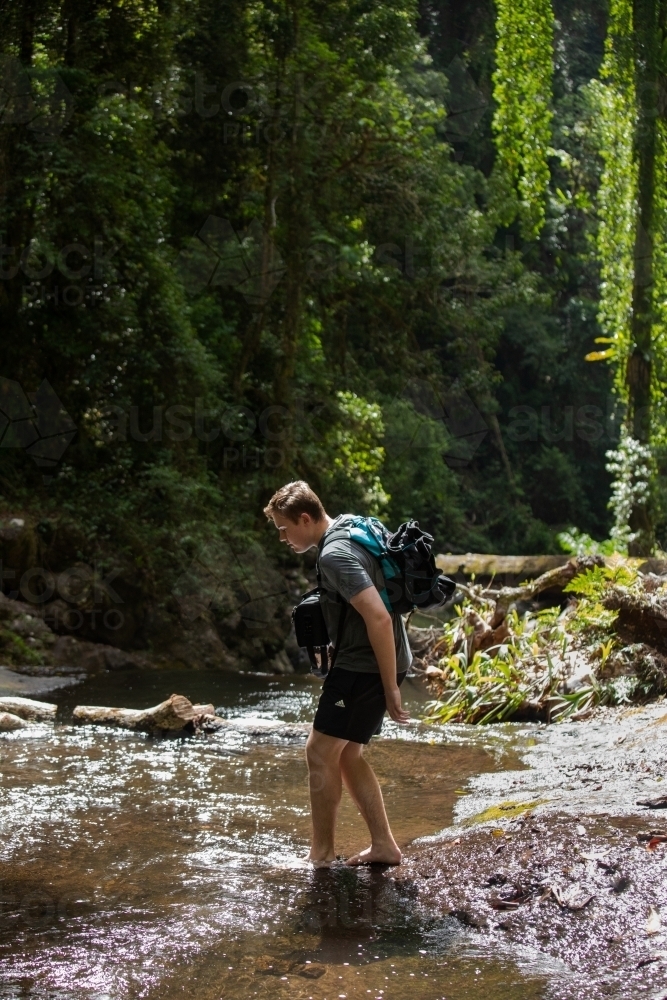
339	633
341	621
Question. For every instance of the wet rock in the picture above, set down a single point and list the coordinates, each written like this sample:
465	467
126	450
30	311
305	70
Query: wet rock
308	970
562	903
266	965
93	657
621	884
19	546
660	802
582	677
14	684
469	919
9	722
268	727
656	567
280	664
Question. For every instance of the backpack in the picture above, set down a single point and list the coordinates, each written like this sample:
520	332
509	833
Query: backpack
412	582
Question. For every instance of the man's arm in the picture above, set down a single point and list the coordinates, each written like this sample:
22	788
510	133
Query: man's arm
381	637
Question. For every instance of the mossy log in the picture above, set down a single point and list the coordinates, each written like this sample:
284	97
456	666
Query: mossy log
484	565
174	714
29	710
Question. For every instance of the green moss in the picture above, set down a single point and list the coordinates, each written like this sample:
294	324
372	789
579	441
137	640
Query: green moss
504	810
14	650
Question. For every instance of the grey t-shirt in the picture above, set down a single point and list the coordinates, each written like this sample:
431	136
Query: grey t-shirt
347	568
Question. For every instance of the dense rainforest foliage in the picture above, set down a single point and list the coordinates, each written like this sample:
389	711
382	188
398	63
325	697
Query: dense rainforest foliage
370	244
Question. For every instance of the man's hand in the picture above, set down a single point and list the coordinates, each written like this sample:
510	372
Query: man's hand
381	635
394	706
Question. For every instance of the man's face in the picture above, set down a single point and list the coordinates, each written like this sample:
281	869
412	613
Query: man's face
299	535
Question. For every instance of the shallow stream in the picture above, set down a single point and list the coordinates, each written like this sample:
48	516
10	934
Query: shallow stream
140	867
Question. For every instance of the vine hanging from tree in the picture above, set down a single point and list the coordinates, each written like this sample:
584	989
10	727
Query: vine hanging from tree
615	104
522	90
632	250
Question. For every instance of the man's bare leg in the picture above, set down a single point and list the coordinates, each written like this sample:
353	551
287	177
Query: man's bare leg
364	788
323	757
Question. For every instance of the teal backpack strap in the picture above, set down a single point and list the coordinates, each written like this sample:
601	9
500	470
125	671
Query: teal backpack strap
370	534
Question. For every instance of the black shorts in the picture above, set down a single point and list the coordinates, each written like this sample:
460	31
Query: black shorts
352	705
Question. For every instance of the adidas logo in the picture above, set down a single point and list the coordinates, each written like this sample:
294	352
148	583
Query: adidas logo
340	704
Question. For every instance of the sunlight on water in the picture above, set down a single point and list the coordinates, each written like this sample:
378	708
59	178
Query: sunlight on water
139	867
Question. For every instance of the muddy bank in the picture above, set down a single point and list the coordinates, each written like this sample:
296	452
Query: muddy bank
560	858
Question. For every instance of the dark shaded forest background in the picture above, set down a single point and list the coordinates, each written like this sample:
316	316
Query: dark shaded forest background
247	242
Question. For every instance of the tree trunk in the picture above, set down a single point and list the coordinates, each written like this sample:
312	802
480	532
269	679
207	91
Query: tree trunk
296	245
253	336
646	17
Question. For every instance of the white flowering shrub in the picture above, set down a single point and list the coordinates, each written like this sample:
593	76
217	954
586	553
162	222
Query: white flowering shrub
578	543
633	467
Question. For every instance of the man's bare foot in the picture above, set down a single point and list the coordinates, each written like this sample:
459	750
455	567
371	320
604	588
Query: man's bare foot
387	854
324	862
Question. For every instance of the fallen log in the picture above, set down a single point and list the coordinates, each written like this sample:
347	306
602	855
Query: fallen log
172	715
553	579
10	722
483	565
29	710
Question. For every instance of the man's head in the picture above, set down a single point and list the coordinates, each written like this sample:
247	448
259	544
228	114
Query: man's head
298	515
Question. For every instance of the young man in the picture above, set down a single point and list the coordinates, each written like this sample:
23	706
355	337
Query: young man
372	660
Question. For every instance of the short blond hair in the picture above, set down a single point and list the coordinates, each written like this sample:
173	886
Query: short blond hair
293	500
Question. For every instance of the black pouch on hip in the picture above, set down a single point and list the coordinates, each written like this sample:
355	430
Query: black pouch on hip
312	634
